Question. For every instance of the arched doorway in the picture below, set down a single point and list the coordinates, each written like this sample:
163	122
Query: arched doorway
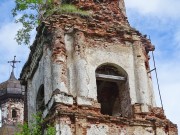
113	90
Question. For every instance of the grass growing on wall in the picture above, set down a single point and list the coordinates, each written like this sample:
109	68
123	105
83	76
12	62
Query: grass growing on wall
68	8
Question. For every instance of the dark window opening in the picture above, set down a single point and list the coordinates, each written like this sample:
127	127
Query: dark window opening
113	91
107	95
40	104
14	113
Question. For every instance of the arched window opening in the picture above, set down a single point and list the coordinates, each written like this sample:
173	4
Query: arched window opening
14	113
40	104
113	91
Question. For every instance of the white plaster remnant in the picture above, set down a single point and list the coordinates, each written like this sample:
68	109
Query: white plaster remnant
100	129
143	131
84	101
160	131
141	77
47	75
69	40
56	81
63	127
123	132
63	99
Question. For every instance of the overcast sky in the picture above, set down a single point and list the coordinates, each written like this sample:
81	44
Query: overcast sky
159	19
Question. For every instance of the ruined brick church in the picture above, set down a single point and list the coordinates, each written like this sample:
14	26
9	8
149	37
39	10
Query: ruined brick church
89	74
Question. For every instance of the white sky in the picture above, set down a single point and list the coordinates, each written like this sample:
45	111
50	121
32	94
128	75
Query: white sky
158	18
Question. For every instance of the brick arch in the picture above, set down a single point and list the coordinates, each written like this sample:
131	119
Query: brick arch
119	70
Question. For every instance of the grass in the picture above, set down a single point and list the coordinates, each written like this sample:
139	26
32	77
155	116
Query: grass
68	8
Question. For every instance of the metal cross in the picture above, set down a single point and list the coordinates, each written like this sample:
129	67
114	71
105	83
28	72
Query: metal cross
13	63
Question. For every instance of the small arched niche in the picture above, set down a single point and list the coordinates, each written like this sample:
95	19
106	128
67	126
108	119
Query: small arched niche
40	104
113	90
14	113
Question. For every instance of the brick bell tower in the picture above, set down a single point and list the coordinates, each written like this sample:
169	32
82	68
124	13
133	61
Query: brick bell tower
11	103
87	72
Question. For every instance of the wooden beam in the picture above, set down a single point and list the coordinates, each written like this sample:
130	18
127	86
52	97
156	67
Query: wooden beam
110	77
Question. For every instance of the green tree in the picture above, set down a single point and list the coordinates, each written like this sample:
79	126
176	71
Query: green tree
35	127
30	13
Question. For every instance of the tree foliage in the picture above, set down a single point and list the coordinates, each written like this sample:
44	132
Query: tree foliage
35	127
26	12
30	13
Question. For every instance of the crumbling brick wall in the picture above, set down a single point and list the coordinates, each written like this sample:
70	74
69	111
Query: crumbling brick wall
64	57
